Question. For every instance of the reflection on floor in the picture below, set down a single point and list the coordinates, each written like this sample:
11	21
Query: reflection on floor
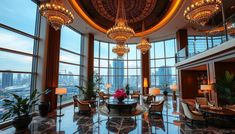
171	122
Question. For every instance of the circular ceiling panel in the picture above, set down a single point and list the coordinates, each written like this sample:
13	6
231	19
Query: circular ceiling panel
101	14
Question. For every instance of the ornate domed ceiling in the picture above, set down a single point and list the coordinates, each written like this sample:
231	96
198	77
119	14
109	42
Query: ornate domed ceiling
101	14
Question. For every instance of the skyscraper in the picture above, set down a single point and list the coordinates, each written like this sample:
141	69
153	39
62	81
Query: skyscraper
118	73
7	79
165	75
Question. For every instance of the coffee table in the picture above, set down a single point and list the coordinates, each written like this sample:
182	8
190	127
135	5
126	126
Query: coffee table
126	104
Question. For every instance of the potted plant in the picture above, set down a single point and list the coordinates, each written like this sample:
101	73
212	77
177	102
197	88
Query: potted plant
120	94
127	89
21	108
91	87
225	88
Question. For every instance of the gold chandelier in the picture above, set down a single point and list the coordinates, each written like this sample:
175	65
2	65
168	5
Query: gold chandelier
200	11
120	32
120	50
144	45
56	13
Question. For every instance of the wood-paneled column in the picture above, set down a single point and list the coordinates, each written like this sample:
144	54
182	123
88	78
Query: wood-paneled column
182	39
90	56
145	63
52	66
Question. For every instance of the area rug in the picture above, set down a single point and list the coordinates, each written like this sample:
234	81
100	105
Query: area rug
140	109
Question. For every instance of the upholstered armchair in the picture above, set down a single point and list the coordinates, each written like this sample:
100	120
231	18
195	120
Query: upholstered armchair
202	102
156	107
192	115
135	95
103	96
148	99
84	107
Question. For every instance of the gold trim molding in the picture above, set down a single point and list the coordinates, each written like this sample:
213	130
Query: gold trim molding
166	18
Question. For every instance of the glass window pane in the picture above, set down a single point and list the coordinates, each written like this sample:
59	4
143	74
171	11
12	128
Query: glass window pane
111	54
170	48
68	69
69	57
160	63
170	62
96	62
132	64
70	40
159	49
132	53
104	50
14	41
132	72
15	62
104	63
152	51
160	71
103	71
96	49
19	14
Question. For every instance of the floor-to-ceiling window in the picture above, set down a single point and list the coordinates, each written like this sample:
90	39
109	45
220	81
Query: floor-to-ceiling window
117	71
162	61
18	48
71	61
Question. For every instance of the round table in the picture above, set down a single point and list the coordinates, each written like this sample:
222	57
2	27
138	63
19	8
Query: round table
126	104
213	111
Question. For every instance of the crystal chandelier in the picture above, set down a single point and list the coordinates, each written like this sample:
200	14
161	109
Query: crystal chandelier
56	13
120	32
143	46
200	11
120	50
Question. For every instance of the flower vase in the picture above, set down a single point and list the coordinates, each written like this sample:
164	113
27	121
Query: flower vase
120	99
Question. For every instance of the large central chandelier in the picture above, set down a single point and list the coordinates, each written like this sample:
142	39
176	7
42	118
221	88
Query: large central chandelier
120	50
56	13
120	32
200	11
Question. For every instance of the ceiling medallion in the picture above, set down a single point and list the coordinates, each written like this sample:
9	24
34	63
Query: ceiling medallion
200	11
120	32
56	13
144	45
120	50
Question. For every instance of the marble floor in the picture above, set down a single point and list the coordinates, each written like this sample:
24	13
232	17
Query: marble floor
170	122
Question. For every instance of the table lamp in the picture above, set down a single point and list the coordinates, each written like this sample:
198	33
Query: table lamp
60	92
174	87
145	85
107	86
154	92
206	89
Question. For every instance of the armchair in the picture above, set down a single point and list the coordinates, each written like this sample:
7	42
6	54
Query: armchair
202	102
192	115
148	99
135	95
156	107
84	107
103	96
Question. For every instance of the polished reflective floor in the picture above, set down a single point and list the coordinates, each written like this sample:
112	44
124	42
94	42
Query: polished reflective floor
170	122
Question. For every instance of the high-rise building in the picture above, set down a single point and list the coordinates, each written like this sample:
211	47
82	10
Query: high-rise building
7	79
118	73
164	71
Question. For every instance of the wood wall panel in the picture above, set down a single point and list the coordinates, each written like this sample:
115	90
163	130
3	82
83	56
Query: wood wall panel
145	63
90	62
52	67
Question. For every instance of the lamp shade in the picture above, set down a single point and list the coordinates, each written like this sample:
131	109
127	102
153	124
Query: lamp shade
206	87
174	87
154	91
145	82
60	91
108	85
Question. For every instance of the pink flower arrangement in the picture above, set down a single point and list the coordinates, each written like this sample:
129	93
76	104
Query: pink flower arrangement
120	94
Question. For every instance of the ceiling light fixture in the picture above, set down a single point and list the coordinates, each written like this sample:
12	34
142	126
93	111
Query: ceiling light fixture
56	13
200	11
144	45
120	50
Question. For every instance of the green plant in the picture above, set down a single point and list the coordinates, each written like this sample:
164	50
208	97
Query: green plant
91	88
21	107
225	88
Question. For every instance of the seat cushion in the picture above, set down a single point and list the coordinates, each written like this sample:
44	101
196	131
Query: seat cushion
196	112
